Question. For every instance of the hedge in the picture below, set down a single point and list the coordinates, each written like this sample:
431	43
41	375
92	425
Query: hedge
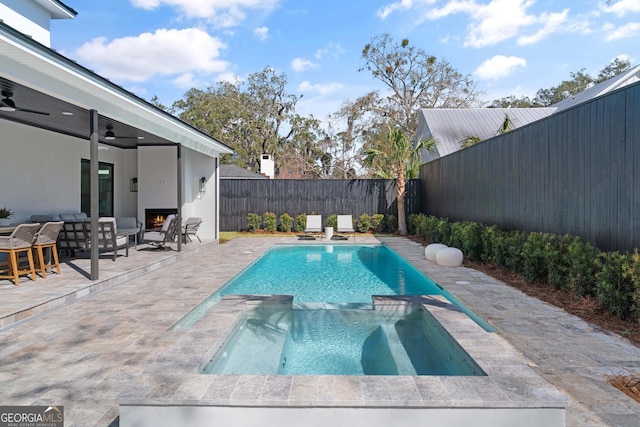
562	261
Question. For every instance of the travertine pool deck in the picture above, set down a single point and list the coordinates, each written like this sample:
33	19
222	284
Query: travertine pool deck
101	343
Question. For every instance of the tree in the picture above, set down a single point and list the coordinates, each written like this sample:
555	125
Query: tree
511	102
396	156
615	67
579	82
505	126
416	80
347	133
253	117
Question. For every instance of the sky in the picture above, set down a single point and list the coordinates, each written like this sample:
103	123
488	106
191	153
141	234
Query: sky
164	48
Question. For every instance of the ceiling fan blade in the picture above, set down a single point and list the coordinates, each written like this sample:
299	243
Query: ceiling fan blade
26	110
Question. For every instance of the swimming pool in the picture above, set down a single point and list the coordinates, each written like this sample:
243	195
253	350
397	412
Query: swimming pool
329	274
341	342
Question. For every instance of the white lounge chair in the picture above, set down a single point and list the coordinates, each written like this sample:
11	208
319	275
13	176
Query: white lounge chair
345	227
313	228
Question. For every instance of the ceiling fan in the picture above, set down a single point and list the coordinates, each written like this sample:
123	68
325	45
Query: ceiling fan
111	136
7	104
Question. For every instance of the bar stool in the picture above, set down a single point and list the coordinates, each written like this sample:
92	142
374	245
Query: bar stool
19	241
47	237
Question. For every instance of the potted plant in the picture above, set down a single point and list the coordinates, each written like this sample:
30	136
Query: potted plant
5	214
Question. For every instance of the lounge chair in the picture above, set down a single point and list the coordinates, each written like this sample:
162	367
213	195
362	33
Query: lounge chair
313	228
163	236
190	228
345	227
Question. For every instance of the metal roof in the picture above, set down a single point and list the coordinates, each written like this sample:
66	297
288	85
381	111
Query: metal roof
632	75
42	80
450	126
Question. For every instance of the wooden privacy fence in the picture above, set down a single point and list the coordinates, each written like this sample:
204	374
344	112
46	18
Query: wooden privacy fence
575	172
239	197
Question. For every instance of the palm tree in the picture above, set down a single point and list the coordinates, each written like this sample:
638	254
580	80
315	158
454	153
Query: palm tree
469	141
395	156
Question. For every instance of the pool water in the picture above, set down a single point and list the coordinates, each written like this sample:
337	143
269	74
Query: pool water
329	274
341	342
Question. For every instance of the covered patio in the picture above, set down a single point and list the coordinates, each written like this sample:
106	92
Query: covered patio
56	114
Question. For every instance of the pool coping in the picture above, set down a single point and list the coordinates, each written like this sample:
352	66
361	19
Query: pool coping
174	379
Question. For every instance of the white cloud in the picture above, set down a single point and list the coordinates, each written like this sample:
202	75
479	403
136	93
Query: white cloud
165	52
626	31
262	33
185	81
499	20
498	67
621	7
301	64
387	10
224	13
552	22
335	50
321	89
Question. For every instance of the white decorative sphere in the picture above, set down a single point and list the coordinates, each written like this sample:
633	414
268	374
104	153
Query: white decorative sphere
431	250
449	257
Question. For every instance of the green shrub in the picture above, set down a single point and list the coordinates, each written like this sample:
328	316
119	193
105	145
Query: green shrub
301	223
444	230
412	223
377	223
270	222
615	287
456	235
254	222
285	222
431	229
581	275
535	253
391	224
332	221
510	250
419	225
364	223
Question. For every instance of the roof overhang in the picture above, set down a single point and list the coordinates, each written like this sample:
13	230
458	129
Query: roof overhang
46	81
57	9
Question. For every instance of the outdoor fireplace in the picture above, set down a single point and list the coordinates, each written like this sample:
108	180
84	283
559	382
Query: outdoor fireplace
154	218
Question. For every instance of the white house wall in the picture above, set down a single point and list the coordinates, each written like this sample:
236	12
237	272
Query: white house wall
28	18
41	172
157	182
197	166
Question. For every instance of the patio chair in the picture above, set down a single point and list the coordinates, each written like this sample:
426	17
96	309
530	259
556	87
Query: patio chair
108	238
19	241
345	227
313	228
46	238
163	236
130	226
190	228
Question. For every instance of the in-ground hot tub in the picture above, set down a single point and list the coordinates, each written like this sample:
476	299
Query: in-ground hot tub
332	341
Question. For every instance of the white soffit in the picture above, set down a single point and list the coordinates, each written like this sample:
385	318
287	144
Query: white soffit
57	9
45	71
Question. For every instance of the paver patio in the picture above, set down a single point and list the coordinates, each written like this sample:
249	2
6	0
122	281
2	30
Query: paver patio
89	348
